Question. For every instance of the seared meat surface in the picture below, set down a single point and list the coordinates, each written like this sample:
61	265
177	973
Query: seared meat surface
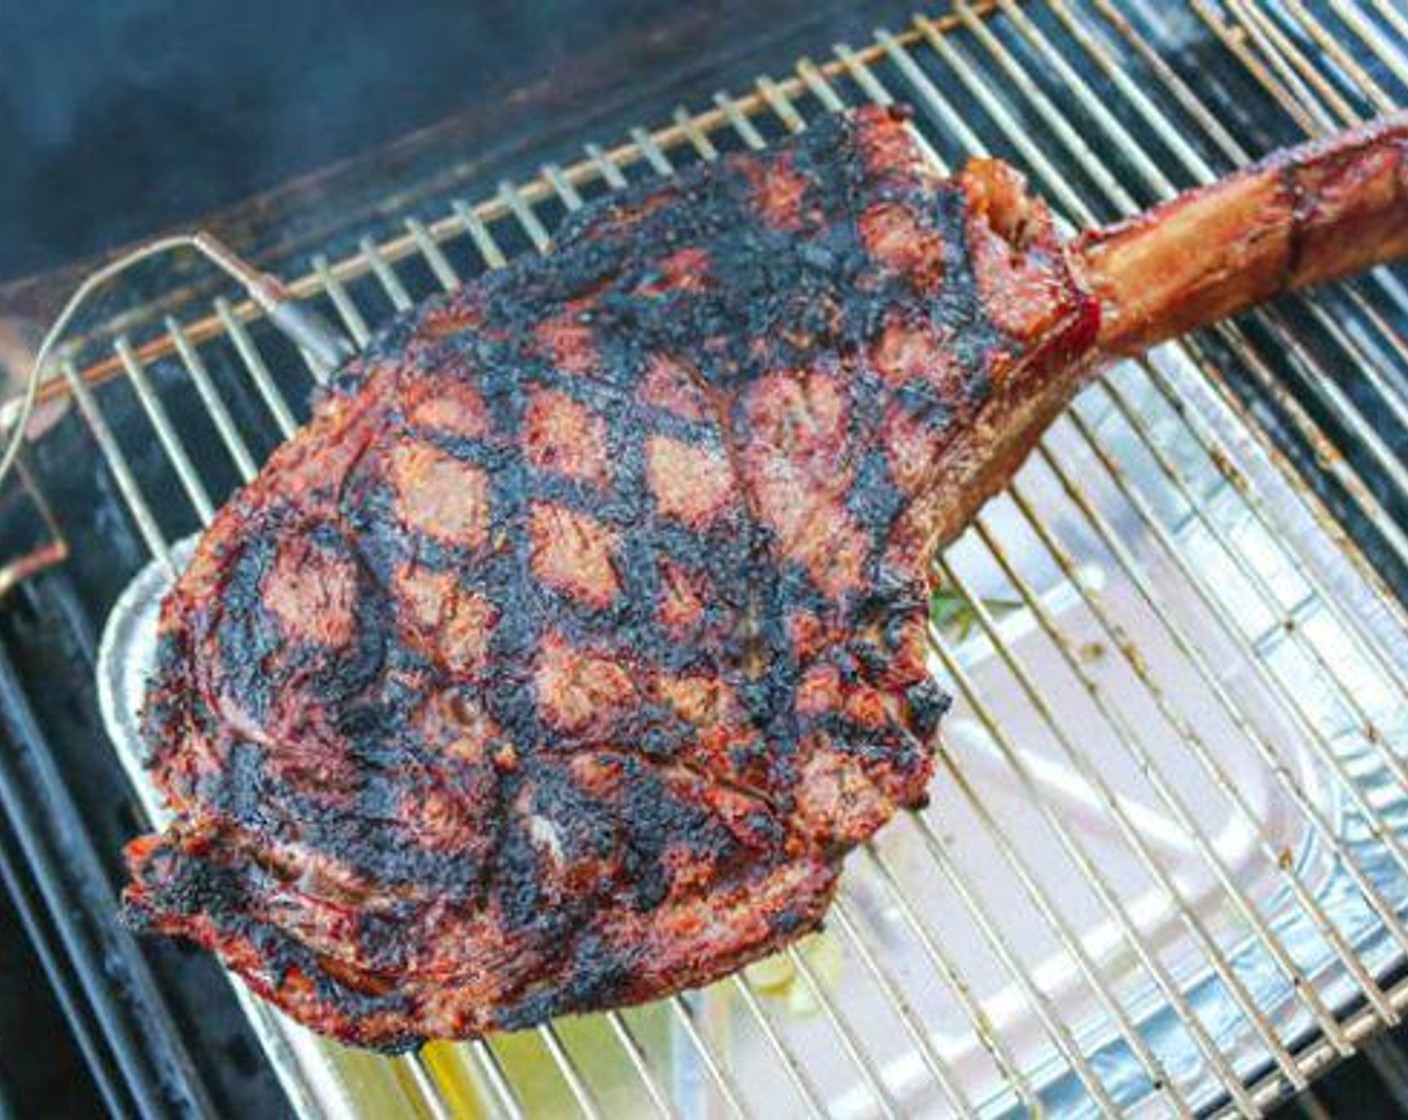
556	664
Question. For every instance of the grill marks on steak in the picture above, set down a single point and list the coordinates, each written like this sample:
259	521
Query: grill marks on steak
555	665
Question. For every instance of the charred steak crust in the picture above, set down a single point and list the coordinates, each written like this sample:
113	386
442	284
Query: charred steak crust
555	665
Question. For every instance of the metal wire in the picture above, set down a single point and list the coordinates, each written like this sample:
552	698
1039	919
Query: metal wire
263	289
897	53
1146	763
488	1065
1053	180
894	992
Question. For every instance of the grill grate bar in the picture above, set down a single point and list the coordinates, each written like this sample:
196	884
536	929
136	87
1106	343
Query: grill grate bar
1056	1026
641	1064
1059	1031
429	1091
259	372
741	124
1249	1008
696	136
214	404
861	73
385	275
488	1066
1202	172
818	86
914	1027
1302	108
1324	749
855	1049
521	210
440	265
1071	140
713	1065
1360	77
790	1064
479	234
161	422
945	965
659	162
1071	79
1291	64
563	186
581	1093
606	167
1350	12
342	303
780	104
1189	737
118	463
1091	873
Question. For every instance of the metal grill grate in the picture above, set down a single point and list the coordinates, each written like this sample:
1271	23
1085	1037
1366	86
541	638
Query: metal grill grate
1166	866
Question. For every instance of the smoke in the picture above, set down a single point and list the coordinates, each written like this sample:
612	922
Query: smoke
122	117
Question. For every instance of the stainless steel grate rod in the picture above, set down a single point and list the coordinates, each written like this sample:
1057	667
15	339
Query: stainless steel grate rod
1189	736
915	1028
1389	757
1272	944
1025	26
993	932
1056	1028
1054	181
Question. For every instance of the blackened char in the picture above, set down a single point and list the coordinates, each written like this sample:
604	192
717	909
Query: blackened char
556	664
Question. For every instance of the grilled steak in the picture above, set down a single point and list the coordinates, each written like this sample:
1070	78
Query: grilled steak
556	664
